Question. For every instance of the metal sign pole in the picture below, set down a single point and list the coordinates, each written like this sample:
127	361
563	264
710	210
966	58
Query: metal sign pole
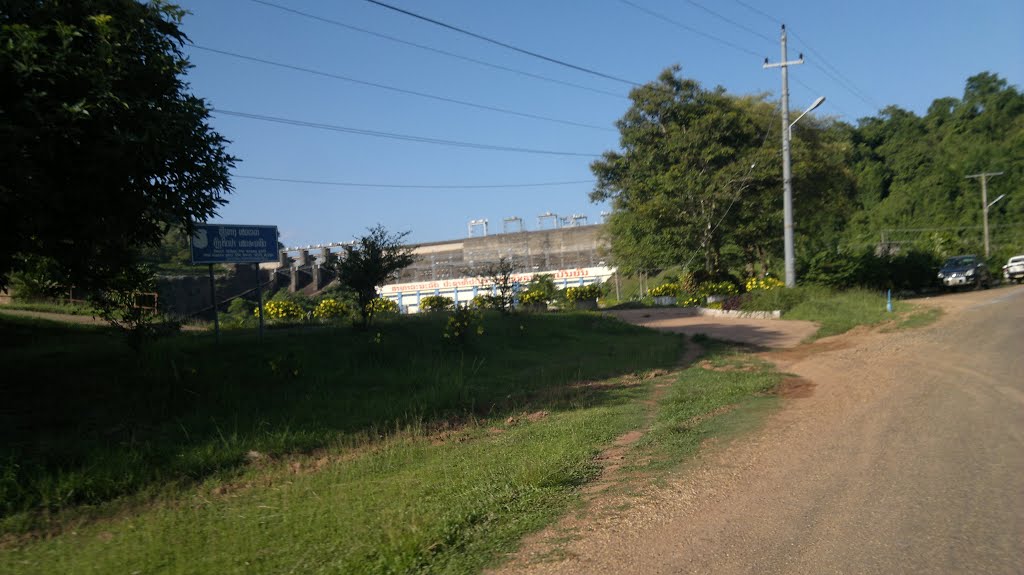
213	300
259	298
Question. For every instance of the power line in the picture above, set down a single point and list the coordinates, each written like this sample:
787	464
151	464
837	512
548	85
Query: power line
731	21
711	37
758	11
814	90
836	75
414	186
832	72
401	90
502	44
437	50
395	136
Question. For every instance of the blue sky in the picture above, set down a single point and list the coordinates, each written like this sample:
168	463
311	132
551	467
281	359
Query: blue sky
861	55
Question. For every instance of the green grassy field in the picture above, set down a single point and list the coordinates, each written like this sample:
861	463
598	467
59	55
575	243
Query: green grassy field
51	307
327	450
836	311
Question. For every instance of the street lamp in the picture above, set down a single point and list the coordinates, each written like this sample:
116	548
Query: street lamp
985	215
787	190
818	102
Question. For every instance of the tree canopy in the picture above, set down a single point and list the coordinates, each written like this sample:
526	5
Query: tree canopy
911	172
697	180
102	147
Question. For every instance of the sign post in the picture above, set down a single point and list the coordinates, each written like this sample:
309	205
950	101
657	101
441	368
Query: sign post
234	244
259	298
213	301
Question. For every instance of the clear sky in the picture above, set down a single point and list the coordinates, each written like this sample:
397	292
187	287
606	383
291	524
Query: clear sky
862	56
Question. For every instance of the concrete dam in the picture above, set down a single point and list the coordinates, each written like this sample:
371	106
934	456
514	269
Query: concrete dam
576	255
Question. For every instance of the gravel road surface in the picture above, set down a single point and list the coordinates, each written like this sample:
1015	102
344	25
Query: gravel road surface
908	457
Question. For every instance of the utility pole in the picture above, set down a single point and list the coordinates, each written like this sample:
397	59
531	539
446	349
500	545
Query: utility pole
984	176
787	183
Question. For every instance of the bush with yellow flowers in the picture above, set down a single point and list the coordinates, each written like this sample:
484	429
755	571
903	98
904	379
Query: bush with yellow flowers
436	303
583	293
462	325
716	288
330	308
766	284
383	306
666	289
532	297
281	310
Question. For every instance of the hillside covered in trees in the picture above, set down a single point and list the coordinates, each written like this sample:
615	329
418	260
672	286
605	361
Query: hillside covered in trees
698	181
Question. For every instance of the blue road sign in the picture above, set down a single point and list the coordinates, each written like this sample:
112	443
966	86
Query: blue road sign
230	244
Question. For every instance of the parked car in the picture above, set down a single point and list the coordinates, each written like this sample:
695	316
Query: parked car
963	271
1013	271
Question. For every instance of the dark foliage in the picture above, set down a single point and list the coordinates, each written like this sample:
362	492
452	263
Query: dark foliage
102	147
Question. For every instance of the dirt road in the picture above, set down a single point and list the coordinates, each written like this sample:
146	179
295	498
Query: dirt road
907	458
766	333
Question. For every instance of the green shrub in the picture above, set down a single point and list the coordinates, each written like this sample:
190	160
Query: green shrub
300	300
486	301
240	313
545	284
462	325
436	303
783	299
911	270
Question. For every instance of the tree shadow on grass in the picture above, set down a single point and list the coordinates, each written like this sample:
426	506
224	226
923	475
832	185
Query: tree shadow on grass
90	421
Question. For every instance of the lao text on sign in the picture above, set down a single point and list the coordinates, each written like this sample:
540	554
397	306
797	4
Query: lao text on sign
233	244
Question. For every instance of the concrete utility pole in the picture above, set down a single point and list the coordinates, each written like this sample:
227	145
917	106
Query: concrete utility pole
787	183
984	176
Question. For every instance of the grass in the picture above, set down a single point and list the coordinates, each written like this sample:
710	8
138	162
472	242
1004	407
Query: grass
51	307
836	311
96	431
407	506
334	451
919	316
725	393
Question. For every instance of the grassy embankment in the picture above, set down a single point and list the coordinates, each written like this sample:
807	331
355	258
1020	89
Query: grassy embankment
839	311
326	450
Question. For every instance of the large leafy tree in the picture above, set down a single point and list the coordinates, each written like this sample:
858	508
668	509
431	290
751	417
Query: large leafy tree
102	147
689	155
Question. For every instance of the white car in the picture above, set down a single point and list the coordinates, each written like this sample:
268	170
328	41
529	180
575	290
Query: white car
1013	271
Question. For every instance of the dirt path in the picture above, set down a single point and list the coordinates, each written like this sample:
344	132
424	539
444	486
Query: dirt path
763	333
908	457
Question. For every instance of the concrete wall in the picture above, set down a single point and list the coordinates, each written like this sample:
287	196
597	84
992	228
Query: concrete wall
563	248
185	296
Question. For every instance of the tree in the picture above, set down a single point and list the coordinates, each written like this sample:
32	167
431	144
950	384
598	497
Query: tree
910	171
499	274
102	147
376	258
689	155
